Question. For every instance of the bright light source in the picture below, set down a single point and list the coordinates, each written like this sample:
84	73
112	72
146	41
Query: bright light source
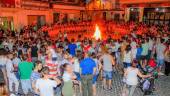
132	9
157	9
97	33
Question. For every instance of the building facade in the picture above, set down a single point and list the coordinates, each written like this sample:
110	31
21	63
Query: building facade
14	14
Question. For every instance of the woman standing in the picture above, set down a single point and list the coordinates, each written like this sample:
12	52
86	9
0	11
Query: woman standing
68	77
131	78
127	58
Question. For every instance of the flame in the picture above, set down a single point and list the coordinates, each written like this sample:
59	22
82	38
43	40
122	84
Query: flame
97	33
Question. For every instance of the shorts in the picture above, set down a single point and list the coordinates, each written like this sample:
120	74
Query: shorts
17	75
95	77
144	57
54	58
160	62
108	75
78	76
126	65
138	57
26	86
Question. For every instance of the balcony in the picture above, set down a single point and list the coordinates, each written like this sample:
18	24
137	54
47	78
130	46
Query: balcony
35	4
142	1
7	3
68	2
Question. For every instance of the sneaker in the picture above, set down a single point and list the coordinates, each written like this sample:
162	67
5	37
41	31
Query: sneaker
160	73
12	95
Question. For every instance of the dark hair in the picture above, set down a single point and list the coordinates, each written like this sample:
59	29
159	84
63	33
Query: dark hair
24	57
93	55
45	70
3	51
72	40
38	62
128	48
65	65
134	63
162	40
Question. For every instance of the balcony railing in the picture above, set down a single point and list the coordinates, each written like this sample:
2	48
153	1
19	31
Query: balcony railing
34	4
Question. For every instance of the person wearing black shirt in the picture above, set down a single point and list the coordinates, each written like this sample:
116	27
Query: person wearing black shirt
34	53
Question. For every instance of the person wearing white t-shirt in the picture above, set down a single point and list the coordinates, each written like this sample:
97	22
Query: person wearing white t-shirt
131	78
160	52
127	57
45	85
12	79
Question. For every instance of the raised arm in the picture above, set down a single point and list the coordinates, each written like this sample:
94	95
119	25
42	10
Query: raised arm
142	76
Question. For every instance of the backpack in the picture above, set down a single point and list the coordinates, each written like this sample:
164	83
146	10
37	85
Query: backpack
146	85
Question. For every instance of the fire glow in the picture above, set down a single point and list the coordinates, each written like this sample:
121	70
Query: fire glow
97	33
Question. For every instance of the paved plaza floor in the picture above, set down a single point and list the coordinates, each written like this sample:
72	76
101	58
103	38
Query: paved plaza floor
162	87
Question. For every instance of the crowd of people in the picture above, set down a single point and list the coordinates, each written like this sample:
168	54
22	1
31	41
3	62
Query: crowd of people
53	67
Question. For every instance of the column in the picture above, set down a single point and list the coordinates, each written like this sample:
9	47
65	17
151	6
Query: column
141	11
127	14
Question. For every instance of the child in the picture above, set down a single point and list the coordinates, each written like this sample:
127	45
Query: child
68	76
45	86
36	73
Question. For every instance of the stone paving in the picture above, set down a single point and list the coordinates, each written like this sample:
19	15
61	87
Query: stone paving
162	87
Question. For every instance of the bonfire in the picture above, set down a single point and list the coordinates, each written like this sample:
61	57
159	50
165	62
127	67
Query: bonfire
97	33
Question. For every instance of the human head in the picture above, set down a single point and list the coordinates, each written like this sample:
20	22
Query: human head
134	63
38	65
86	54
72	40
45	71
67	67
24	57
128	48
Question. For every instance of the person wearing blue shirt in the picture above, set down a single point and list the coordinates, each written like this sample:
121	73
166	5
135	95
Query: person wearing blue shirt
138	55
139	52
88	68
72	48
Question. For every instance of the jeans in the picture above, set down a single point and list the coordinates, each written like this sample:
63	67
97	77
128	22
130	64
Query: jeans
13	80
108	75
160	62
26	85
126	65
58	89
87	85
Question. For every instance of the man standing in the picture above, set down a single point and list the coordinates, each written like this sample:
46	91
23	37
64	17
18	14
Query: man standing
72	48
160	52
108	62
88	68
34	53
25	69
